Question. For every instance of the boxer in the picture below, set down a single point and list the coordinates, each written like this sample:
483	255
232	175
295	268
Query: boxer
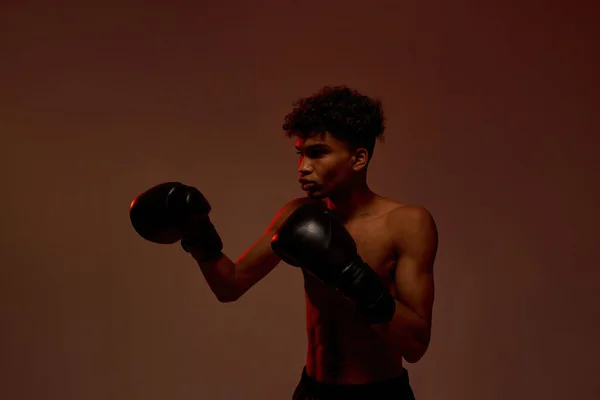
367	260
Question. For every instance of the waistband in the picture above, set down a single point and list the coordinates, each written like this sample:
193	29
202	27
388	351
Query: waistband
397	388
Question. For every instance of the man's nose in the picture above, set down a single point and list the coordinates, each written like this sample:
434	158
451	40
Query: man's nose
304	166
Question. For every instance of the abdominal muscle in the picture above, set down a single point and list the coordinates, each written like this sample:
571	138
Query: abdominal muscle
342	347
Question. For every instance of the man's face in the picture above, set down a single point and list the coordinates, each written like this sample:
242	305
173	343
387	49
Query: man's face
325	165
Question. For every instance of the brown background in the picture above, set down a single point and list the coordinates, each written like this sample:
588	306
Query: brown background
493	124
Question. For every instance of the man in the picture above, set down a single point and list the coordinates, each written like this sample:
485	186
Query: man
367	261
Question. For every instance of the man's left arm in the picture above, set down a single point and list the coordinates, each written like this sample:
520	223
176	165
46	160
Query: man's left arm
414	235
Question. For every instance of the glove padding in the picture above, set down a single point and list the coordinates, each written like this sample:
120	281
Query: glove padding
314	240
172	211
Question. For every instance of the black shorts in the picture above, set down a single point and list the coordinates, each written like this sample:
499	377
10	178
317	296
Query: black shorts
391	389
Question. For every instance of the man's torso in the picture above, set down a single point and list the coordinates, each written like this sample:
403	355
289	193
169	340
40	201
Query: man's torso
342	347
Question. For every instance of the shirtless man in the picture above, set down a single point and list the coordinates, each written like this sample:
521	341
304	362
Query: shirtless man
367	261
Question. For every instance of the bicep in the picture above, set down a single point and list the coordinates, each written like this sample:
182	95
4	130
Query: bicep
415	235
259	259
415	287
259	254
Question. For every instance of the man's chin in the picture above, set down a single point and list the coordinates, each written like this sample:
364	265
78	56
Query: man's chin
315	195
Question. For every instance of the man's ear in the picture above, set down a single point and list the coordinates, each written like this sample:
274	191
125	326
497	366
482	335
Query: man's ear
360	159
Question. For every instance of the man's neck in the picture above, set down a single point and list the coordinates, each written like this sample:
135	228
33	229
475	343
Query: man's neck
351	203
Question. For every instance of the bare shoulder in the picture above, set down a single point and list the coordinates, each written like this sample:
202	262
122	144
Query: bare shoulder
293	205
410	215
287	209
412	226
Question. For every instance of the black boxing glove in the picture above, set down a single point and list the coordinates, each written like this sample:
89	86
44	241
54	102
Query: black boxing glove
172	211
314	240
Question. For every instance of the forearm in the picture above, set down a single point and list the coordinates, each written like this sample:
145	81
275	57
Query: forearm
219	274
410	332
229	280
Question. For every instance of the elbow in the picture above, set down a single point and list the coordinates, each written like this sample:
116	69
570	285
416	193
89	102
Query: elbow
413	358
228	296
416	352
226	299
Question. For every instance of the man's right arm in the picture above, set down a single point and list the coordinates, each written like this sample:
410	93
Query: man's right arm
230	280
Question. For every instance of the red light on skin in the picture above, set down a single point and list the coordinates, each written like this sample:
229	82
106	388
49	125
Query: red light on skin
132	203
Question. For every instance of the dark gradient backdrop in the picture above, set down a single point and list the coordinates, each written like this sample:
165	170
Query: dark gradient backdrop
493	125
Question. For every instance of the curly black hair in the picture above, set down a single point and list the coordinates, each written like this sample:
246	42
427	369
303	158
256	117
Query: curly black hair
345	113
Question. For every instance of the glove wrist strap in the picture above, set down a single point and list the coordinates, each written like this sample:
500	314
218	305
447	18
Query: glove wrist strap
199	250
362	284
204	246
